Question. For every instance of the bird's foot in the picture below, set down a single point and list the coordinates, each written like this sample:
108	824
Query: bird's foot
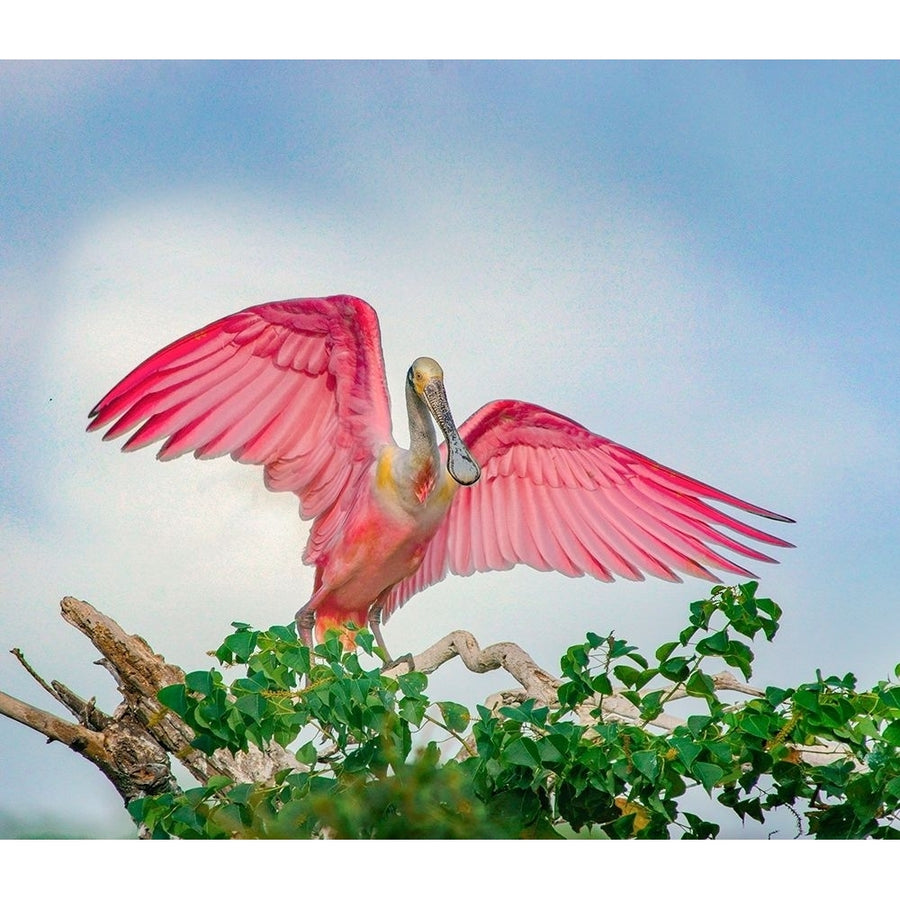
306	620
406	658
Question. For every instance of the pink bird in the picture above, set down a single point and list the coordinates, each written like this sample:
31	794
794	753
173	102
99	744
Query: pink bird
298	387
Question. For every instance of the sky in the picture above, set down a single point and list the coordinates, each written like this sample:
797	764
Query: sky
696	259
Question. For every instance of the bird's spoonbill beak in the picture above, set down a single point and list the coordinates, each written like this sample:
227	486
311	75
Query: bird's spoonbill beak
460	463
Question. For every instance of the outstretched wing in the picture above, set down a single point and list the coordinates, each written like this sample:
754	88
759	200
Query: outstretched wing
297	387
555	496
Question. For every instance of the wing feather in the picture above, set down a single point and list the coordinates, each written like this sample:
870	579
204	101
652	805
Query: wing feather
534	531
503	525
553	495
624	558
297	387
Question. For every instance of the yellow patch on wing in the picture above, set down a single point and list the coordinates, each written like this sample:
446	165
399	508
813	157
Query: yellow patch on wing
447	490
384	475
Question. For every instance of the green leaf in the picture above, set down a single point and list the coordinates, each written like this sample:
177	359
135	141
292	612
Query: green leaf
719	751
184	815
770	608
284	633
241	644
456	716
807	699
666	650
632	697
628	675
366	641
645	677
201	682
549	752
240	794
620	648
137	808
515	713
775	696
651	704
699	828
576	659
647	763
522	752
714	645
697	724
688	750
685	635
412	709
707	774
891	697
175	697
253	705
675	668
205	743
571	693
258	682
757	725
412	683
217	782
892	733
700	685
739	655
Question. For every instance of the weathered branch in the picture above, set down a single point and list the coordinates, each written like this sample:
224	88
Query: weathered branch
538	684
134	763
140	674
133	746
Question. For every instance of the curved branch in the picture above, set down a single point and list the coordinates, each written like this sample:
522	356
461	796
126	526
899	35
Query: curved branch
538	684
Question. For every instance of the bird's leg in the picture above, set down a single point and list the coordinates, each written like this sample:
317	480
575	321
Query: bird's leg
306	620
374	623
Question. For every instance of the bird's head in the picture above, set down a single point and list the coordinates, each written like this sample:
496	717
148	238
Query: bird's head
426	378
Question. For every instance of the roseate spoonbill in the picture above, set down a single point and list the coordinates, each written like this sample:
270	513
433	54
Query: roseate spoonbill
298	387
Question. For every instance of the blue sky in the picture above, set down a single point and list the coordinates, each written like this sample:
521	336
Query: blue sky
698	260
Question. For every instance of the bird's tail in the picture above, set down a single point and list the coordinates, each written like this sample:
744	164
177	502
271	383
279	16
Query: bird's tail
345	622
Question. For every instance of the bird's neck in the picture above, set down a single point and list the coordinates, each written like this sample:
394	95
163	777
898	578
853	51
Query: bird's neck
424	460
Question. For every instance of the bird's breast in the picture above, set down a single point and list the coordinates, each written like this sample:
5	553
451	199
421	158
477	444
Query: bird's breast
422	491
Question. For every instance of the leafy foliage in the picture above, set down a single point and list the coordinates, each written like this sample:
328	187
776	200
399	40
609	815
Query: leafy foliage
608	760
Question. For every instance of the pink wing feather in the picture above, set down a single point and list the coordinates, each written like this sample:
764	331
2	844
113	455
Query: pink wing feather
296	386
553	495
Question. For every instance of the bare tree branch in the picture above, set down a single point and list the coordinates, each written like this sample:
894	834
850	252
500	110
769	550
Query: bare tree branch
538	684
134	763
140	674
